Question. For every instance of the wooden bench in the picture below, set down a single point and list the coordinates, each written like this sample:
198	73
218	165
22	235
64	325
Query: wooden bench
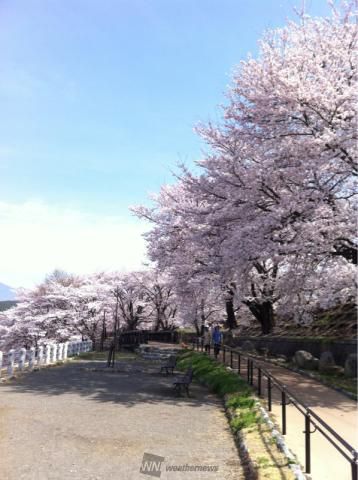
169	365
184	382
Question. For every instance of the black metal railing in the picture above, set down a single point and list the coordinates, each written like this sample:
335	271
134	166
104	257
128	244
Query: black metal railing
312	420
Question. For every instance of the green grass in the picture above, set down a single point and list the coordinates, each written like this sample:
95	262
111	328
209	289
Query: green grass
240	401
213	374
339	381
226	384
244	419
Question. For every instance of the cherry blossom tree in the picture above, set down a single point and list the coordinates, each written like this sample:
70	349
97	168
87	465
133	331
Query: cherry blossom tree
277	196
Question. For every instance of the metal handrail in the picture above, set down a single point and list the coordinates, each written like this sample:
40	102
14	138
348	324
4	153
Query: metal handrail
311	418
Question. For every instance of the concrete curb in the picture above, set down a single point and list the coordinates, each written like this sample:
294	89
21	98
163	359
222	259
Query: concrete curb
246	460
281	444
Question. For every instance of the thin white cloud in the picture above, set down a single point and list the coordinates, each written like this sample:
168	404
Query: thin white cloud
36	238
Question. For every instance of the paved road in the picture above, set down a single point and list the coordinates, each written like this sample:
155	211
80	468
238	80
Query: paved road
82	422
333	407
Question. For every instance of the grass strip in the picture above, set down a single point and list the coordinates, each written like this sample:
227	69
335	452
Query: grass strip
259	454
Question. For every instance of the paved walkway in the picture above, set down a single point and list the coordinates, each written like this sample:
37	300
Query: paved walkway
338	411
82	422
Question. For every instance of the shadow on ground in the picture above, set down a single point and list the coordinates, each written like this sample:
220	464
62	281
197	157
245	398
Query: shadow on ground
129	383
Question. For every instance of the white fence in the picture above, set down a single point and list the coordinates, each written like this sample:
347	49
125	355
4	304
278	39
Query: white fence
29	359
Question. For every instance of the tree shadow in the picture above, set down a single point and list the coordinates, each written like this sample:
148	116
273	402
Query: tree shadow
129	384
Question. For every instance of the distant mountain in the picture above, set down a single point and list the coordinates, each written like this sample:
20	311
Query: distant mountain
6	292
6	304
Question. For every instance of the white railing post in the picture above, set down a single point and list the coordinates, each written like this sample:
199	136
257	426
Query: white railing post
78	348
40	356
48	354
10	362
32	358
0	362
65	350
60	351
54	352
22	359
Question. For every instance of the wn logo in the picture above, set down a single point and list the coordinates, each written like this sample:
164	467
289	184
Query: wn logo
151	465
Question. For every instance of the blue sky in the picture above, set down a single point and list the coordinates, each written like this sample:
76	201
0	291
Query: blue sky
98	104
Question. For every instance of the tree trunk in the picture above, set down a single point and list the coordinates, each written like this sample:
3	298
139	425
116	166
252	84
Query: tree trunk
230	315
263	312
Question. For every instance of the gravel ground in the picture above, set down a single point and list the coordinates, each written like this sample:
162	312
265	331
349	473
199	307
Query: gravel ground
83	422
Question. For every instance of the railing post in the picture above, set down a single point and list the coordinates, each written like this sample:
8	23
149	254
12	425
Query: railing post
22	359
32	358
307	433
283	404
10	362
224	354
65	350
248	370
259	382
355	466
54	352
40	356
60	351
48	355
231	359
251	372
239	363
0	362
269	394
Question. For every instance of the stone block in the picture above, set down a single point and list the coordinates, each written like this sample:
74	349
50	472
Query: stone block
350	366
304	359
326	362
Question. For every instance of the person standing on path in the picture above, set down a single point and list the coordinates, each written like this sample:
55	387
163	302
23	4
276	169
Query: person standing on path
207	339
217	340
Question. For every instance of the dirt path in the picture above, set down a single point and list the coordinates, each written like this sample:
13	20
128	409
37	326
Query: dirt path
82	422
338	411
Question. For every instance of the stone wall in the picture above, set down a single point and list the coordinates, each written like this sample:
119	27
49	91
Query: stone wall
288	346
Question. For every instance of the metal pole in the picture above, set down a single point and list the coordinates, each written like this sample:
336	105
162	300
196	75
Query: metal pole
238	363
283	403
231	360
355	466
224	352
248	370
269	393
252	372
259	382
308	442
